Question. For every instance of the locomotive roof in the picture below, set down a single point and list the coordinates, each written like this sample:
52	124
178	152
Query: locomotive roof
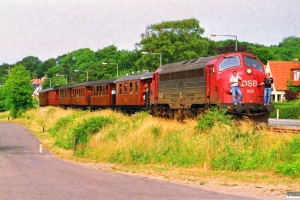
142	76
187	65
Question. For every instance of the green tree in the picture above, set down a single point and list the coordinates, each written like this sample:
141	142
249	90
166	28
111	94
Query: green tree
175	40
31	63
18	91
2	99
108	54
44	67
263	53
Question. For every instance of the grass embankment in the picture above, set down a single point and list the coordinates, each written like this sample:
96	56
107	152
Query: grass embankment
213	147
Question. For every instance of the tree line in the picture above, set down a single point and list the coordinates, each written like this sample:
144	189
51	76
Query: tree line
172	41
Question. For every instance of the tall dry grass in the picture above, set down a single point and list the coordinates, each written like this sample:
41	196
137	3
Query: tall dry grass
143	139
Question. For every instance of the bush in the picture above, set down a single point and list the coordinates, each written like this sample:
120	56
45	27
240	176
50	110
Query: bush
89	126
211	117
287	112
290	95
61	123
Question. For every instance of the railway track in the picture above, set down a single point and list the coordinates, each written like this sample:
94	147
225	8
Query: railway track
284	125
284	129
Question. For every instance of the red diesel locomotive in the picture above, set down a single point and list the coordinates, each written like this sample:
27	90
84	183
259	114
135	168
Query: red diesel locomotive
177	90
189	87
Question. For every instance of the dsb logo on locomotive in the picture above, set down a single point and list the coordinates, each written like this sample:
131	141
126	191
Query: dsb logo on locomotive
250	83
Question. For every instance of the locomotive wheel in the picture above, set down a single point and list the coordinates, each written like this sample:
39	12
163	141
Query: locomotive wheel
270	108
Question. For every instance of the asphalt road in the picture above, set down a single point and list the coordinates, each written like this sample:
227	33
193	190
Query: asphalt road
26	174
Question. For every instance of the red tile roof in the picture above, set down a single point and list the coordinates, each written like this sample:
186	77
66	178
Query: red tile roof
296	67
37	81
280	71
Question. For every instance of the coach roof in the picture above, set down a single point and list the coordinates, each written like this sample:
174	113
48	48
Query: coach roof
45	90
101	82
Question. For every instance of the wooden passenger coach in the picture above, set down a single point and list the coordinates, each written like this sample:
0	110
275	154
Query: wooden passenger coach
64	95
52	96
100	93
131	90
44	97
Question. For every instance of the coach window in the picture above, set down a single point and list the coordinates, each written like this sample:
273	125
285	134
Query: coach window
106	90
130	88
136	87
103	89
100	92
228	62
120	89
252	62
94	90
125	88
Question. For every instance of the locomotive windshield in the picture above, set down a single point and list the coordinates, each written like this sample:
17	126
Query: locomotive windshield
228	62
252	62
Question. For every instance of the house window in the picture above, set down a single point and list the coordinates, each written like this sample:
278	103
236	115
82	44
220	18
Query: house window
296	75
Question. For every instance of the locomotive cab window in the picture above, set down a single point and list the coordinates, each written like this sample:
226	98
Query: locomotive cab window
252	62
228	62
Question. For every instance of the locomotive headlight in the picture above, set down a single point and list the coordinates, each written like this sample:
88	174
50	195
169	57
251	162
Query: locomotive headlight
249	71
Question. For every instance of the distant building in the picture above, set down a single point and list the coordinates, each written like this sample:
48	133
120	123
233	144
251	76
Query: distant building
280	71
295	74
37	85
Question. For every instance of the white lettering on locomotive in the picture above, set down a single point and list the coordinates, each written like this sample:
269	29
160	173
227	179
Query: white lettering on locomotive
250	83
250	91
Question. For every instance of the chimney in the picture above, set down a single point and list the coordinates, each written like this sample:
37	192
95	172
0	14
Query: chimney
296	61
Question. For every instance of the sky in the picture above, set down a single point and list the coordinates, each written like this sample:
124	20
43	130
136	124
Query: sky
50	28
